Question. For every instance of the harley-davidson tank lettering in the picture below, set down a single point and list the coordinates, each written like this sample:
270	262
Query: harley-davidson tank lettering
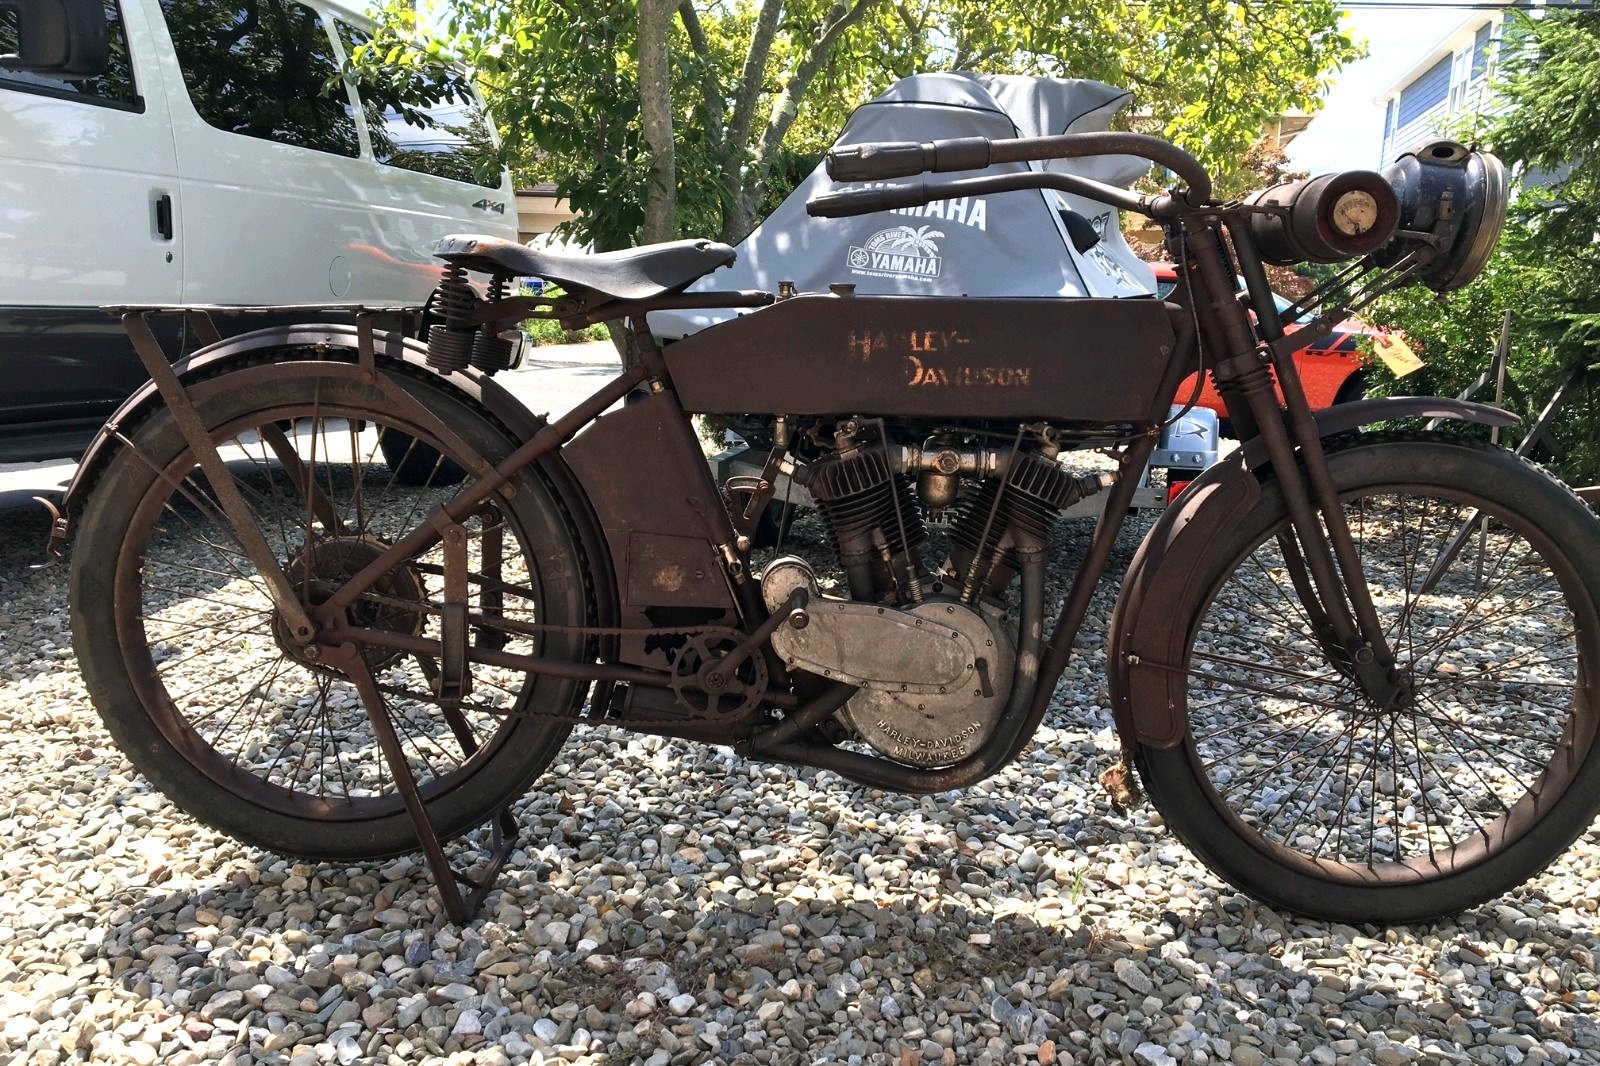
416	588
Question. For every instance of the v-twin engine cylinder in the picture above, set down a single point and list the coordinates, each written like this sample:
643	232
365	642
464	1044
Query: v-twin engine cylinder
872	516
934	678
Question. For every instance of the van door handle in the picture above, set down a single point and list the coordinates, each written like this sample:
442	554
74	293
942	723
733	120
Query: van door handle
163	205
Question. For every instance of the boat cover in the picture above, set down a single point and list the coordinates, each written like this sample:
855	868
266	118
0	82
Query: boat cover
1012	244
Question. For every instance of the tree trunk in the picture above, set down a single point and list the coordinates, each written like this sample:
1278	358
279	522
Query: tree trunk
738	211
786	107
655	112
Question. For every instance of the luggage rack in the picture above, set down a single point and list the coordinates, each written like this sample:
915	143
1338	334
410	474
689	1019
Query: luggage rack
136	318
199	316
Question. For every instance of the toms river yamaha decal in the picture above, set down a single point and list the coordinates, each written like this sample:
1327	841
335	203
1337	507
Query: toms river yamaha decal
910	251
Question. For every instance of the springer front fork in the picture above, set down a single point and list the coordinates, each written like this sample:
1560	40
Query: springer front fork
1320	554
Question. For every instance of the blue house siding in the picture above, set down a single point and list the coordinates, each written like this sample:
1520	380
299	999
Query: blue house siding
1425	92
1449	87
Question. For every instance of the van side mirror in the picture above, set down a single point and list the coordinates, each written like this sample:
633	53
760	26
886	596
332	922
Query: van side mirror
66	38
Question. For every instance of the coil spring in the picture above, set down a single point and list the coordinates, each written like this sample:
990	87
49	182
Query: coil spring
490	351
449	343
456	299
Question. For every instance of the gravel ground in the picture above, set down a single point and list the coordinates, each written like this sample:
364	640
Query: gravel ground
672	904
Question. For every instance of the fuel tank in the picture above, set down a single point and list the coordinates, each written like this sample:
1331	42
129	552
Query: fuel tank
1092	360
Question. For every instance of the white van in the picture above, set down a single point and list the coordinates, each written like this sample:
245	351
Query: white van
217	158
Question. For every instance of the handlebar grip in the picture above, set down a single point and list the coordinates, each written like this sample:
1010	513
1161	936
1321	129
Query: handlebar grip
866	201
901	159
879	159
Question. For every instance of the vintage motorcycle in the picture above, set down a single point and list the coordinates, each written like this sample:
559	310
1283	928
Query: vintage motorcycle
336	593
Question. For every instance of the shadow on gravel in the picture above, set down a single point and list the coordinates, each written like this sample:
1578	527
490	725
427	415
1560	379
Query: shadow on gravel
575	949
26	526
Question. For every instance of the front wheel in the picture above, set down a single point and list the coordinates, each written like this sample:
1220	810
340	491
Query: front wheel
1295	787
1353	388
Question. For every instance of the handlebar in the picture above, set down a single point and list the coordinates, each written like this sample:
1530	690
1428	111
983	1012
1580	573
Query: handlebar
898	159
911	194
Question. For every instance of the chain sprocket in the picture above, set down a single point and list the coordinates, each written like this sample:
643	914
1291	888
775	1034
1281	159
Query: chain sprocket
750	680
738	693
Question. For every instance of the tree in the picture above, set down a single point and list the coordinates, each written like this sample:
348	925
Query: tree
1546	269
756	89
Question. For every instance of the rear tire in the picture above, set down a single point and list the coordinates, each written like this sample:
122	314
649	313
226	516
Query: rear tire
183	657
416	463
1294	788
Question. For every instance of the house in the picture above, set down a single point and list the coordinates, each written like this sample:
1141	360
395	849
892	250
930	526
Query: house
540	210
1448	83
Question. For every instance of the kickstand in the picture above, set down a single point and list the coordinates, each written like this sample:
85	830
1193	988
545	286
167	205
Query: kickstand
503	841
445	877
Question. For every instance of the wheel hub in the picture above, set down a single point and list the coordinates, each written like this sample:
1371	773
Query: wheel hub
324	566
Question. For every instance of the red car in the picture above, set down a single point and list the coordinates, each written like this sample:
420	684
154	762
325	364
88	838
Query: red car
1331	369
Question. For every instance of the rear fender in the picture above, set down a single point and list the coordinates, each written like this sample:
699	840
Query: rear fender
339	346
1161	590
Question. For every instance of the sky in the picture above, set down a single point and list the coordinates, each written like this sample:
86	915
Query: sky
1348	132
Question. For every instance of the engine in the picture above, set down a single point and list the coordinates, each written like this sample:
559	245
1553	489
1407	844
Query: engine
935	652
872	517
1025	506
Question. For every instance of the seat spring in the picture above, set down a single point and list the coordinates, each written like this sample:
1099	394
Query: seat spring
490	351
456	299
450	342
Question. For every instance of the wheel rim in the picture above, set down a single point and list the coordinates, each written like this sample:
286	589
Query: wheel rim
206	652
1314	775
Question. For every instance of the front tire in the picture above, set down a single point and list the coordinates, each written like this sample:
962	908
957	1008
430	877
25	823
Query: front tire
1295	789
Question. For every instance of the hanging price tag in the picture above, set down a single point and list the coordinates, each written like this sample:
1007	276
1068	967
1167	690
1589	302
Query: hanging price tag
1396	354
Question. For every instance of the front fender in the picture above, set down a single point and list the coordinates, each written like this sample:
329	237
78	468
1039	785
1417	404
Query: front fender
1341	418
339	345
1149	625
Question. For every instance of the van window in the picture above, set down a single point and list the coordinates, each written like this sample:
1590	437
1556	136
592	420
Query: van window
433	124
263	68
114	86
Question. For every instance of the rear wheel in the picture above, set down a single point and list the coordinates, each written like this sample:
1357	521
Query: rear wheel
1294	786
192	670
416	463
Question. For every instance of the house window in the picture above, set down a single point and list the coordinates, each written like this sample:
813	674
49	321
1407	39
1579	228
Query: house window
263	68
1481	44
1388	122
1459	78
1422	95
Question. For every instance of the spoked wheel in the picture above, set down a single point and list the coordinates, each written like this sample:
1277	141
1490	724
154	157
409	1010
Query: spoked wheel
1297	787
195	673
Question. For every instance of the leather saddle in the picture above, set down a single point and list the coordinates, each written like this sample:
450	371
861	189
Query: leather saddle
645	273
